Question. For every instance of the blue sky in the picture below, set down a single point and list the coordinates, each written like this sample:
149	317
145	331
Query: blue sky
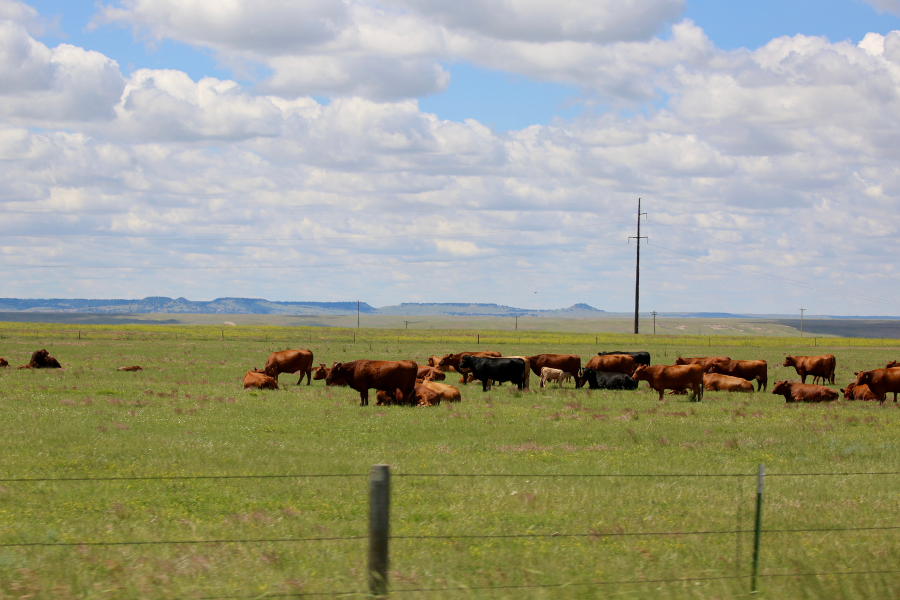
496	97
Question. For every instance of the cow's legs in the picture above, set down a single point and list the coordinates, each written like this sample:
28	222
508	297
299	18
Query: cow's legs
484	385
364	398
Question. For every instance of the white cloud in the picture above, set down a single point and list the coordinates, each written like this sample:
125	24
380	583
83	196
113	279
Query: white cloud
889	6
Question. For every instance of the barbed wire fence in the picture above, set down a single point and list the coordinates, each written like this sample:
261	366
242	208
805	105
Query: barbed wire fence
379	537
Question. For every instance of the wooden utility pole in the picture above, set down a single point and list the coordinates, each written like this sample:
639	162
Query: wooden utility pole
654	313
357	314
637	272
517	322
801	321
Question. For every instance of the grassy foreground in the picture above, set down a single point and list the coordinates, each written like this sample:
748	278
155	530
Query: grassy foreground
186	414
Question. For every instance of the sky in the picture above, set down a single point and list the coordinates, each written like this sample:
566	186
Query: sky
454	151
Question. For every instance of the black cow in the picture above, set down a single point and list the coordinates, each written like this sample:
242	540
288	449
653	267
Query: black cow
640	357
495	369
605	380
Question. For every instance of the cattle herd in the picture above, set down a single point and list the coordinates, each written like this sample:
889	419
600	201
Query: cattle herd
404	382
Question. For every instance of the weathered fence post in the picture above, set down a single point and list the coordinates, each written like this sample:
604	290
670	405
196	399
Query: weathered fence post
479	339
759	495
379	525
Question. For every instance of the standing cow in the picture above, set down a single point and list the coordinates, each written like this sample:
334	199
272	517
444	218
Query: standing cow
290	361
677	377
704	361
451	362
881	382
641	357
567	363
745	369
818	366
613	363
488	369
397	378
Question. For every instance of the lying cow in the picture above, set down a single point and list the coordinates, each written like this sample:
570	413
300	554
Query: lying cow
448	393
725	383
704	361
3	362
820	367
745	369
548	374
434	361
794	391
881	382
605	380
131	368
396	377
41	359
858	392
258	379
432	373
677	377
290	361
640	357
891	364
490	369
424	395
451	362
567	363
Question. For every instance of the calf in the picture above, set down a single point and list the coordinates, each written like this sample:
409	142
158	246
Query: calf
678	377
794	391
881	382
395	377
640	357
604	380
488	369
290	361
432	373
725	383
704	361
858	392
259	380
818	366
548	374
745	369
131	368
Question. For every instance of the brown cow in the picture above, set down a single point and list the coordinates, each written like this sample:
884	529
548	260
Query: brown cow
677	377
447	393
450	362
425	396
725	383
395	377
258	379
794	391
881	381
432	373
131	368
41	359
467	378
290	361
613	363
817	366
434	361
704	361
568	363
3	362
858	392
745	369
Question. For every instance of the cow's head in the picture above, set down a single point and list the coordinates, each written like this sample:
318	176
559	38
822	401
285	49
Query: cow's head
716	368
864	378
271	370
789	361
640	373
338	372
781	388
848	392
445	361
320	372
891	364
464	363
680	361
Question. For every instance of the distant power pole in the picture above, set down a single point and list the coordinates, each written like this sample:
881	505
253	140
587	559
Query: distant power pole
654	313
637	272
357	314
517	322
801	321
407	324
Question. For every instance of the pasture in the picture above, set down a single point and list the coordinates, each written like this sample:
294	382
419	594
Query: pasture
186	415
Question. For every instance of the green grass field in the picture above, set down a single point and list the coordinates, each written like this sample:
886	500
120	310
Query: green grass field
186	414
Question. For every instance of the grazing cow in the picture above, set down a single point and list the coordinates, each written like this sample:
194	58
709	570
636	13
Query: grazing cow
745	369
858	392
678	377
395	377
489	369
432	373
725	383
794	391
131	368
604	380
817	366
291	361
640	357
41	359
258	379
3	362
568	363
448	393
548	374
450	362
614	363
881	381
704	361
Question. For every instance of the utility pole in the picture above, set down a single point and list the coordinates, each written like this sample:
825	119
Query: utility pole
637	272
357	314
517	322
654	313
801	321
406	323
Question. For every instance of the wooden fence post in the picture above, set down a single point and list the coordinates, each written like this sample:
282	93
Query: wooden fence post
379	528
758	531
